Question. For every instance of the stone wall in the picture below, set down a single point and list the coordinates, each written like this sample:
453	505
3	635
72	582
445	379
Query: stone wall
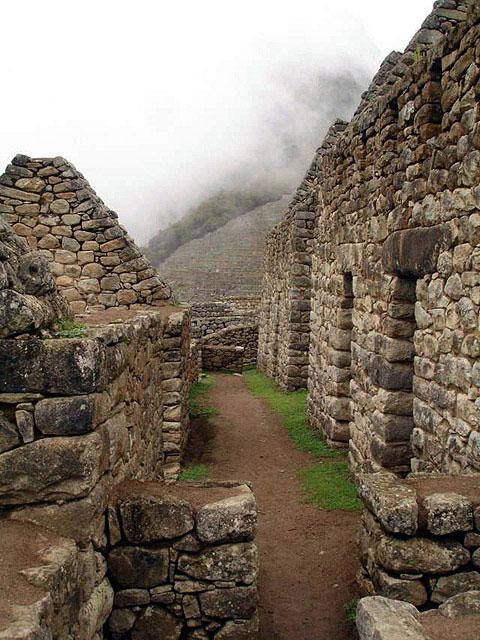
94	261
393	202
381	618
210	317
84	409
183	562
420	537
233	348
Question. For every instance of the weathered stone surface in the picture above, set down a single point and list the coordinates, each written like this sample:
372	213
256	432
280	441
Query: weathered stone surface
239	602
230	520
65	416
421	555
9	436
383	619
448	586
239	630
412	591
448	513
121	621
152	518
229	562
60	366
131	597
94	613
156	623
52	469
390	500
139	568
464	604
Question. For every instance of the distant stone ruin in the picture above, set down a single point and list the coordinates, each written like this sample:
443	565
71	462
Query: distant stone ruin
219	276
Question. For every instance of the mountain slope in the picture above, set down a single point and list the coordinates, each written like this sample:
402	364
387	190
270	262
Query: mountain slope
227	262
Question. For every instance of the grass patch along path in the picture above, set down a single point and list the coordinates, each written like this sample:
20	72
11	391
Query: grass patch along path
307	554
326	484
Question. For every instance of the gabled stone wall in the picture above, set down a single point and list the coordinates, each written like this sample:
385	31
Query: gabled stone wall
94	260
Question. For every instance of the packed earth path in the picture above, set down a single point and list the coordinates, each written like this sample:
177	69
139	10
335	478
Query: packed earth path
307	555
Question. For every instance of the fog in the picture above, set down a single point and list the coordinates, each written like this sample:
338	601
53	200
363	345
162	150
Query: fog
161	103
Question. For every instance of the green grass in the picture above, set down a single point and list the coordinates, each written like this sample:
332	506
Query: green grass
197	397
68	328
195	473
292	407
326	484
350	610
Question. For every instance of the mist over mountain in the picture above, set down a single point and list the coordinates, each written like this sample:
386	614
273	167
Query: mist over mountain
303	106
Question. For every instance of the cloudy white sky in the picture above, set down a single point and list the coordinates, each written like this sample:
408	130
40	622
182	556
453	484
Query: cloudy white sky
155	101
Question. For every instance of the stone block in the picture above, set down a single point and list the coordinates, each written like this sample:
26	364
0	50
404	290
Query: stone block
448	586
239	602
421	555
448	513
152	518
138	567
154	623
380	618
233	562
73	415
52	469
414	252
233	519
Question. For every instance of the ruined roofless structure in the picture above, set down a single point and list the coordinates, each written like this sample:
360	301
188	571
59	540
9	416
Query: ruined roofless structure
371	302
96	367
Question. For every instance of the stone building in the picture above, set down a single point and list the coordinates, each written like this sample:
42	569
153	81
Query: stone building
95	375
371	283
371	300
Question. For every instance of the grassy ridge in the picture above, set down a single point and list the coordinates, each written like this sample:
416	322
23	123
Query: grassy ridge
326	484
211	214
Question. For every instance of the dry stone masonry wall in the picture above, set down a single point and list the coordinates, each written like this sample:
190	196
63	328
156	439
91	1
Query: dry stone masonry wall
183	562
87	407
394	309
94	261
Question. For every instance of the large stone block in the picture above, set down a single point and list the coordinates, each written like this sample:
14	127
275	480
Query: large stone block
155	623
421	555
137	567
390	500
52	469
380	618
66	367
414	252
230	520
233	562
155	518
239	602
65	416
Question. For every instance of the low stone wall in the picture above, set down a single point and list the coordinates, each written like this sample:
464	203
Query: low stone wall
80	415
233	348
420	537
50	588
183	562
210	317
384	619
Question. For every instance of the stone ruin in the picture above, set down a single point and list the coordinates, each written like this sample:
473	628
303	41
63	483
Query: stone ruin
95	372
371	301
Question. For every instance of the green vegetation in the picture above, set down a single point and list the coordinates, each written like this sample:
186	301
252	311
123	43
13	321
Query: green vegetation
292	407
68	328
417	54
195	473
211	214
197	394
350	610
326	484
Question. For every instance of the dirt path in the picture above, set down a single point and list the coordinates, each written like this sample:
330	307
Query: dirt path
307	555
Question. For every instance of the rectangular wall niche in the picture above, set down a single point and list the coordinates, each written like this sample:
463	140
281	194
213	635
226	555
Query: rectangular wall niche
392	419
338	401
